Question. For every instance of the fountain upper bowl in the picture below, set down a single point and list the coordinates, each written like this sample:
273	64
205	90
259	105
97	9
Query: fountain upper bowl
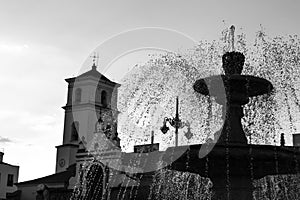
243	85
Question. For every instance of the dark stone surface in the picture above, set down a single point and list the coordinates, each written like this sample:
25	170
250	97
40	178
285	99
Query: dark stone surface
233	167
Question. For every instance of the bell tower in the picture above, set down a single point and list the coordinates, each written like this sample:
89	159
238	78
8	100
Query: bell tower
90	96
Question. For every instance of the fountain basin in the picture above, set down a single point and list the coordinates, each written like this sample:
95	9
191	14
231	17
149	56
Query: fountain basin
232	168
254	161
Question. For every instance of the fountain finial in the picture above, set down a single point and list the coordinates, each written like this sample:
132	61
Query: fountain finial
233	61
232	29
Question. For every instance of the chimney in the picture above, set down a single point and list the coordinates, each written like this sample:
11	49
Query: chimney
1	156
296	140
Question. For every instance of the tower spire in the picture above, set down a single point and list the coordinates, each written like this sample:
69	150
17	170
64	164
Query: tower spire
95	57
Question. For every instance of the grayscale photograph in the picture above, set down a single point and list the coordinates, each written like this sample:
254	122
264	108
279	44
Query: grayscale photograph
149	100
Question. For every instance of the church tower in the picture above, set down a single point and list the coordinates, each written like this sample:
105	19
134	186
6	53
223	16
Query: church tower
91	98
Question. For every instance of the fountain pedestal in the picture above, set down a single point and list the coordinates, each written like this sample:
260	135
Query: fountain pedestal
233	189
232	130
230	185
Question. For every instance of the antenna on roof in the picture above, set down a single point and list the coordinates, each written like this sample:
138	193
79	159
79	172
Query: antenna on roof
95	57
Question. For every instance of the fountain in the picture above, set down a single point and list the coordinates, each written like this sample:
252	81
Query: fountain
231	163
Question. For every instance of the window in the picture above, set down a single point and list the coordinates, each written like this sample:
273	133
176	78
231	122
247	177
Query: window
10	180
104	98
78	95
74	131
98	95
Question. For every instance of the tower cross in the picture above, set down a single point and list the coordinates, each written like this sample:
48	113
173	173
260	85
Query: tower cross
95	57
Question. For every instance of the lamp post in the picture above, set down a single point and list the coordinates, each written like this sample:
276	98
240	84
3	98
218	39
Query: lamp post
175	122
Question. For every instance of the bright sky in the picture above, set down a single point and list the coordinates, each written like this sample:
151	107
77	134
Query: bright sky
44	42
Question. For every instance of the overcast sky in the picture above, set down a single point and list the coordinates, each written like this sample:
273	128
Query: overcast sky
44	42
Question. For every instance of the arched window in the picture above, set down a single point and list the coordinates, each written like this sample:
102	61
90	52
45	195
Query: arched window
78	95
104	98
74	131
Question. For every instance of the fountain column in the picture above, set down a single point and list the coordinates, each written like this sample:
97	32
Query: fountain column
233	186
231	176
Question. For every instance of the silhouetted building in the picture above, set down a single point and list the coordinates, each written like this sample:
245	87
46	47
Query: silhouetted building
9	175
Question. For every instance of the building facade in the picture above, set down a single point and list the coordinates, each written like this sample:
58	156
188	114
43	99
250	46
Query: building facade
9	175
91	100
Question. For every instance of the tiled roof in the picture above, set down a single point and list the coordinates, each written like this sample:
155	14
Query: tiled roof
94	73
61	177
3	163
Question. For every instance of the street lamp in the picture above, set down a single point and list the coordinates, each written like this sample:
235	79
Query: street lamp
175	122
